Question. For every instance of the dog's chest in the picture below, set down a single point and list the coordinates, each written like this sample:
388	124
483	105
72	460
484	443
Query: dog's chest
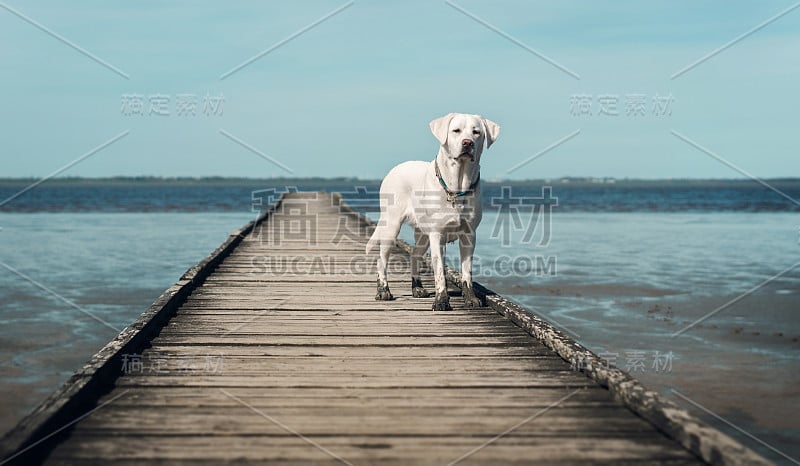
436	213
460	211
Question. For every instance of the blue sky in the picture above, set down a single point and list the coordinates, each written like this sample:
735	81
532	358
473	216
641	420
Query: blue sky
353	96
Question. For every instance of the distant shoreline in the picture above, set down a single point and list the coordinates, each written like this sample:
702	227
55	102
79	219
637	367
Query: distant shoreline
321	183
218	194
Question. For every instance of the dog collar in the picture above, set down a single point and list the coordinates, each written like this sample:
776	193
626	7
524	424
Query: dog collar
452	195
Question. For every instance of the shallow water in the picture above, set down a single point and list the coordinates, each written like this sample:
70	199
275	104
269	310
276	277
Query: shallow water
70	281
630	286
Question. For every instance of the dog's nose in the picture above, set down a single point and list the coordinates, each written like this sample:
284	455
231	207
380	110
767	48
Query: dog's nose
467	143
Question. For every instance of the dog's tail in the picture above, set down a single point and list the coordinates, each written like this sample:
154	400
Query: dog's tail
374	240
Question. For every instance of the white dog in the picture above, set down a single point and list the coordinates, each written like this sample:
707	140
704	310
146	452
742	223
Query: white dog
441	200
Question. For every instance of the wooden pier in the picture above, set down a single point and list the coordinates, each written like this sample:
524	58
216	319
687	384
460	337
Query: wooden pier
273	349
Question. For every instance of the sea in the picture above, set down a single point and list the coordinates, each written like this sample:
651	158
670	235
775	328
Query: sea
692	286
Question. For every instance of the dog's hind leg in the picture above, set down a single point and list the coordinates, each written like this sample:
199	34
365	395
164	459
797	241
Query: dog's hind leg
442	300
386	238
420	246
466	245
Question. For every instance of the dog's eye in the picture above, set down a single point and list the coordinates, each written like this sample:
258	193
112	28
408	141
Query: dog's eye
456	130
476	132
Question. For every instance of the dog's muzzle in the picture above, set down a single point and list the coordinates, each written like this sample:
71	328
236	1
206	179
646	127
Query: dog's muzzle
467	149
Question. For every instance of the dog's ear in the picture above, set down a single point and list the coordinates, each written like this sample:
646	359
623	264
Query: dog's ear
440	127
491	130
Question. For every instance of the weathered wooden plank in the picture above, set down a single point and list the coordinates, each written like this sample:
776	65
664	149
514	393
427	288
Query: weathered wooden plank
385	450
238	367
306	317
605	422
506	397
320	305
263	329
306	278
348	381
356	352
343	340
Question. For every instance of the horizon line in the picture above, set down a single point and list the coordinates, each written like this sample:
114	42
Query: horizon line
355	178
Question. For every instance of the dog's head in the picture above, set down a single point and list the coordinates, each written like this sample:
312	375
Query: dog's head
462	136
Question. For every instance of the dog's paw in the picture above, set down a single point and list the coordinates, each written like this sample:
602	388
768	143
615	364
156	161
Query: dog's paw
383	291
420	292
470	300
417	290
473	302
442	304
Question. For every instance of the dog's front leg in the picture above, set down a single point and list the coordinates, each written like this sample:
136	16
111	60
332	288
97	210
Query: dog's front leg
420	246
442	300
466	245
383	261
